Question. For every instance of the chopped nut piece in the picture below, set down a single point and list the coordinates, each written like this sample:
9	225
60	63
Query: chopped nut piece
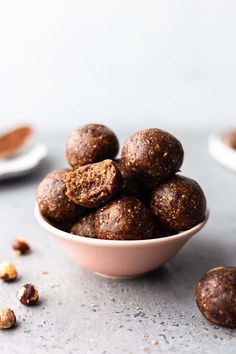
28	294
155	341
8	271
20	246
7	318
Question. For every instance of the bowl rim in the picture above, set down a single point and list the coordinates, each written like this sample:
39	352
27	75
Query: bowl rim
123	243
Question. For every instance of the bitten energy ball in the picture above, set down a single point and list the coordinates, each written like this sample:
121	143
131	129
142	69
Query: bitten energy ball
91	143
152	155
28	295
216	296
94	185
124	219
179	203
85	226
7	318
8	271
52	199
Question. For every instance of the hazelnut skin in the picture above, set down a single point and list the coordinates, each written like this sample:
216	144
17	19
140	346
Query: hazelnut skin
28	295
216	296
7	318
8	271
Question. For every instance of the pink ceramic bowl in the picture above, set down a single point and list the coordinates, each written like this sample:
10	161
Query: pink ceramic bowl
120	259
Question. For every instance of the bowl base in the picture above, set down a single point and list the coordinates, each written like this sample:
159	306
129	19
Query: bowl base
117	277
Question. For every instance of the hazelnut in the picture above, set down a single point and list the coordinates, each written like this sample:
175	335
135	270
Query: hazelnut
8	271
7	318
28	295
20	246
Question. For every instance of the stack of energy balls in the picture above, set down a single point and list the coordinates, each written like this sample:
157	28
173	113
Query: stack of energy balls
139	196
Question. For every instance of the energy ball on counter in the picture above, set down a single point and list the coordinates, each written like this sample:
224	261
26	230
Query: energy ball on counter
7	318
152	155
91	143
52	199
85	226
216	296
95	184
124	219
179	203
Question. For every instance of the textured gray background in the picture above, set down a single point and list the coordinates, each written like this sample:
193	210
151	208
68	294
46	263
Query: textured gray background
80	312
120	60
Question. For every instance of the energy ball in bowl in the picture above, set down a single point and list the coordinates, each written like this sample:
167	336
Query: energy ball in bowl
216	296
179	203
124	219
52	199
152	155
91	143
95	184
85	226
131	186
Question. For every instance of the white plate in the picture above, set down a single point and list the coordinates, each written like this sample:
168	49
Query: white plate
220	151
24	163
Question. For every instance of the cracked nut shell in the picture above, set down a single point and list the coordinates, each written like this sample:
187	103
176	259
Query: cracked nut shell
52	199
124	219
152	155
8	271
95	184
28	295
179	203
7	318
216	296
85	226
91	143
20	246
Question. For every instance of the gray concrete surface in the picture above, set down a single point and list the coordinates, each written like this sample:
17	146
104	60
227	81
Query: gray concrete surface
80	312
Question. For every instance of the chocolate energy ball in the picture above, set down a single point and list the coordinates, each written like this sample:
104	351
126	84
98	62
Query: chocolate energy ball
124	219
131	186
95	184
85	226
52	199
152	155
91	143
216	296
179	203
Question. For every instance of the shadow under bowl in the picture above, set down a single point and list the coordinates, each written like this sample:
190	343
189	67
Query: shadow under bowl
120	259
